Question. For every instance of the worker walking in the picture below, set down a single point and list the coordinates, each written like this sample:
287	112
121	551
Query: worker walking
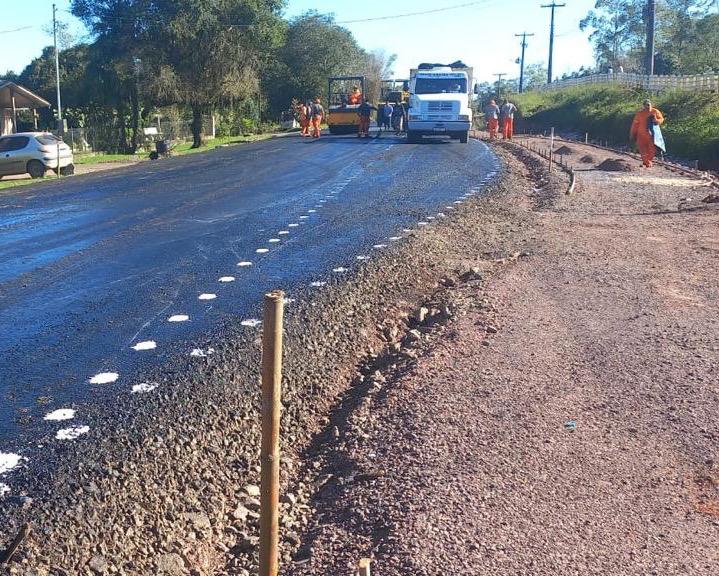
364	112
644	130
506	113
305	118
491	115
318	113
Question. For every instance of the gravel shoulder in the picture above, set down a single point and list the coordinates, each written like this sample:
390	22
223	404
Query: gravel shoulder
562	419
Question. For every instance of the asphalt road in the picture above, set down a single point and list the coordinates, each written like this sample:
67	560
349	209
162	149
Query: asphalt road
92	266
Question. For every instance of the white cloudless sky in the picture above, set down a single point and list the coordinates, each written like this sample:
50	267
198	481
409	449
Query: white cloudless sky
481	35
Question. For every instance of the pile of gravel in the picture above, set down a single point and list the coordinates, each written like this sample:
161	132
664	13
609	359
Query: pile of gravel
615	165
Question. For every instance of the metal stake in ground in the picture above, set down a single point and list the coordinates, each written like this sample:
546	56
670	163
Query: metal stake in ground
270	454
363	568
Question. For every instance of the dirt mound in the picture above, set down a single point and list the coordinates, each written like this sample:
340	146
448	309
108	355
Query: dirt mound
587	159
615	165
564	150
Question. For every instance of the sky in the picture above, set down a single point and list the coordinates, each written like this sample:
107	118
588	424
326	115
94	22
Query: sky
480	34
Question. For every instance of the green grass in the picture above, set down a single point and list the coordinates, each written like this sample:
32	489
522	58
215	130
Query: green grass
5	184
605	112
100	158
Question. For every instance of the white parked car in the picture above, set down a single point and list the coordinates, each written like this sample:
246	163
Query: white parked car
34	153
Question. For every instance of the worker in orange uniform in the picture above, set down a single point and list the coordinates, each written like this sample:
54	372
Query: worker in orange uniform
305	118
318	113
355	97
506	113
491	114
643	131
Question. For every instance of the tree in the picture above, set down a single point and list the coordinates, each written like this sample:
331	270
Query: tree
617	31
209	53
317	48
121	29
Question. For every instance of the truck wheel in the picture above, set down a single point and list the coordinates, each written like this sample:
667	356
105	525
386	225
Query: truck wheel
36	169
68	170
464	137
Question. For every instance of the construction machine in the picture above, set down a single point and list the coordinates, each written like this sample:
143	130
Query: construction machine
341	110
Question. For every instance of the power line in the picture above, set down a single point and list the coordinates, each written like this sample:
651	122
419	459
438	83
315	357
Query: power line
16	30
421	13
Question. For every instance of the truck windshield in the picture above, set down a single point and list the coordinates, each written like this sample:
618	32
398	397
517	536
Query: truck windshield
440	86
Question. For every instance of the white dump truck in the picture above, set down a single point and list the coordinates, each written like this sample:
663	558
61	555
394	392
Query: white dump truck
440	101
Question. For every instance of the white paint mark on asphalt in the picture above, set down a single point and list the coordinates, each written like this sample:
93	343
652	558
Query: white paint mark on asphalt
207	296
395	238
311	211
251	322
71	433
144	388
406	230
293	225
339	270
283	232
457	201
61	414
146	345
441	215
8	461
226	279
104	378
304	217
200	353
262	250
362	257
273	240
178	318
317	283
288	301
379	246
244	264
430	218
422	223
449	207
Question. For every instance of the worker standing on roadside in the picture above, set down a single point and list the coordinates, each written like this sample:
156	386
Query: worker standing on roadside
642	131
364	112
507	114
491	115
318	113
305	118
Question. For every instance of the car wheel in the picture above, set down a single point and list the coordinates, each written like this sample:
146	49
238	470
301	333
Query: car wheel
68	170
36	169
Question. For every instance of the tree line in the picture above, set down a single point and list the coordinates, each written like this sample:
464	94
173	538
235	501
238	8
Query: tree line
687	35
239	59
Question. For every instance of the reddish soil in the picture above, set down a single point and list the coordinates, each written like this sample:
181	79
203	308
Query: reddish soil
563	419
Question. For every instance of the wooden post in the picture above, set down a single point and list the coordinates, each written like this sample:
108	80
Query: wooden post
270	454
363	568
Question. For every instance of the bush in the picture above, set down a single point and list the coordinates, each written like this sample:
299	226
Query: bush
605	112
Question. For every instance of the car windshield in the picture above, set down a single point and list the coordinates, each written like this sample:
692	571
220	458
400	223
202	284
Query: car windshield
48	139
440	86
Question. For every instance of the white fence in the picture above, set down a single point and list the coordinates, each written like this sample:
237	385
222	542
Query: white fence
698	82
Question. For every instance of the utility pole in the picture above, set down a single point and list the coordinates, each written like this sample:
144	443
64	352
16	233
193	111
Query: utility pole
521	67
57	67
651	18
499	85
553	5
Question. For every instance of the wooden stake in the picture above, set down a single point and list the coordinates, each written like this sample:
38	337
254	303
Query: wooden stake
270	454
363	568
7	555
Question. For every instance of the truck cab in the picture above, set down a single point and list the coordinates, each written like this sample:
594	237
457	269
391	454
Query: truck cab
440	102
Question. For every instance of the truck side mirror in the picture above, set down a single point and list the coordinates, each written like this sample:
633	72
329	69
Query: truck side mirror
476	89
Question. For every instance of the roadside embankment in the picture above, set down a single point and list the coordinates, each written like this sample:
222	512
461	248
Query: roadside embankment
562	420
605	113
